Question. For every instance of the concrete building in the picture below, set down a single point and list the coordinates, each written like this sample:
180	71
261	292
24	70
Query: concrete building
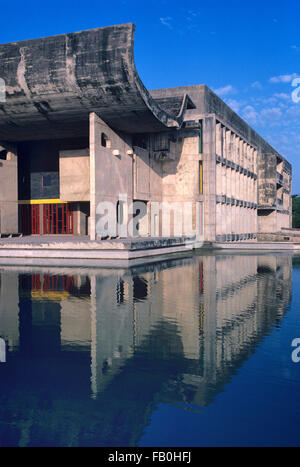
78	129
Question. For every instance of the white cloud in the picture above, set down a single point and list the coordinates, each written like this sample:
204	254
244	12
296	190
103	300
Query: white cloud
225	90
272	113
293	112
166	21
256	85
250	114
295	47
283	78
234	104
282	95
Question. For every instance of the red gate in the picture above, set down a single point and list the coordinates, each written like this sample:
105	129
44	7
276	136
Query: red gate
57	219
30	219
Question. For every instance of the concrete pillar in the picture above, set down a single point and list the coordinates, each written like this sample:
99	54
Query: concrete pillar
209	178
9	191
218	139
92	221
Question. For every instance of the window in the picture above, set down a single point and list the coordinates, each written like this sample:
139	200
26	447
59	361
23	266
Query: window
105	142
160	142
46	180
200	177
200	137
3	155
120	212
141	141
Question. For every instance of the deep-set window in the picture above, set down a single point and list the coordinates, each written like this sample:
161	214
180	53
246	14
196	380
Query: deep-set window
120	212
200	177
3	155
105	141
161	142
141	141
200	137
46	180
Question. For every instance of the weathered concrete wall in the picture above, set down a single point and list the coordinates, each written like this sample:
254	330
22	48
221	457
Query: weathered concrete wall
9	193
146	185
74	175
111	175
267	220
267	180
180	182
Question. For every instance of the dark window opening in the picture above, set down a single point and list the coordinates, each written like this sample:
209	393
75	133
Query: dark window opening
105	141
161	142
46	180
200	137
3	155
141	141
120	212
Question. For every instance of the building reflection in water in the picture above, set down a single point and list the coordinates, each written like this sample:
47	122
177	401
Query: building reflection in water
92	352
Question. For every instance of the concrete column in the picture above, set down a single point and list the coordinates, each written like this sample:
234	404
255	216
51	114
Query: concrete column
209	178
218	139
9	191
92	222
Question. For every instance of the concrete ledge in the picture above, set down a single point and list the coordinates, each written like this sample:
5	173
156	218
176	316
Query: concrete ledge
34	248
84	244
258	246
117	253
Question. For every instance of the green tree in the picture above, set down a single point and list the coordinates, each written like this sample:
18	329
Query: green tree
296	211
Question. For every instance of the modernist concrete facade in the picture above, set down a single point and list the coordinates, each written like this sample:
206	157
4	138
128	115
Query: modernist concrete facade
78	129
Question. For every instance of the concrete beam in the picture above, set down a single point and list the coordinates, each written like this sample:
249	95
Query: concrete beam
53	83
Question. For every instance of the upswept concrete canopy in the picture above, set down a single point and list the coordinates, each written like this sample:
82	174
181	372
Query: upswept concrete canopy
54	82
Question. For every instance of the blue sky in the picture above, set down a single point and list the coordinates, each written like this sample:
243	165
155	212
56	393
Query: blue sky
247	52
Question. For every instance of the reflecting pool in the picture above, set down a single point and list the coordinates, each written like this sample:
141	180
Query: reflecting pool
190	351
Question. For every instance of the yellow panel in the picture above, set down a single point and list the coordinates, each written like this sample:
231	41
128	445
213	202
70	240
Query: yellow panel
42	201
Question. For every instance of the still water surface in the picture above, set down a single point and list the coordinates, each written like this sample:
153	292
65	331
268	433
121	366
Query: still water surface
185	352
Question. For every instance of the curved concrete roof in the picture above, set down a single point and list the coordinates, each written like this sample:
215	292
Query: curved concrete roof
53	83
